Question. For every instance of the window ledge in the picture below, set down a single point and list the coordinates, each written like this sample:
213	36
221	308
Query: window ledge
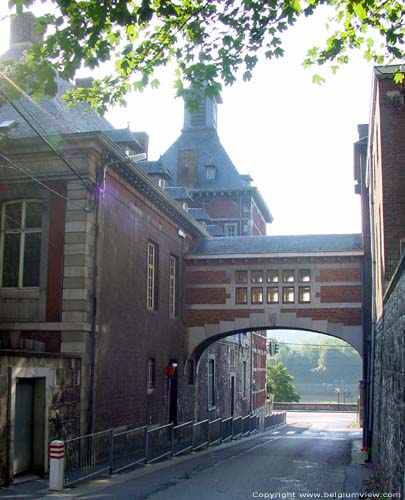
212	408
19	293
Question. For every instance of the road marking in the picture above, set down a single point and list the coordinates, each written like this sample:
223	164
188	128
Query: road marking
290	432
276	432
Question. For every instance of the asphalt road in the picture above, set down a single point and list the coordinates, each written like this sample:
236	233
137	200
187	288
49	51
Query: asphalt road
311	455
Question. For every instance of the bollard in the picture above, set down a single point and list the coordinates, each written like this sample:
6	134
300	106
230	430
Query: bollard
56	465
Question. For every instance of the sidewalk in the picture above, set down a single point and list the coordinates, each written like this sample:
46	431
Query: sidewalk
37	489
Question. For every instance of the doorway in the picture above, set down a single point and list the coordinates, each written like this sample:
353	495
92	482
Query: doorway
29	432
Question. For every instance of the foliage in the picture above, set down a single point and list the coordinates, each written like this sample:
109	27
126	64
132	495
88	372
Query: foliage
211	41
332	360
279	383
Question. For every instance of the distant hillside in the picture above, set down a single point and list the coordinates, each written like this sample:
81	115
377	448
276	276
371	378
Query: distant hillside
322	366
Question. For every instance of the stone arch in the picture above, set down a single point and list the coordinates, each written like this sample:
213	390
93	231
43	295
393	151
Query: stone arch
199	338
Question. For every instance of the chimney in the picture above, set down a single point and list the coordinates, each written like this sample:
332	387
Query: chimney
22	30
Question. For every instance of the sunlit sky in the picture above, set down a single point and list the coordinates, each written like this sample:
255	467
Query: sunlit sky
293	137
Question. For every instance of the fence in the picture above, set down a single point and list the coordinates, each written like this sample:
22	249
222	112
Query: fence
200	434
182	438
129	448
106	452
274	419
88	456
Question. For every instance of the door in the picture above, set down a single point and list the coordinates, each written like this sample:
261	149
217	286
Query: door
232	395
24	425
173	393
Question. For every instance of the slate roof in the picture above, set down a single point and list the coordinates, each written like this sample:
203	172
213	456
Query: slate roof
277	244
209	151
124	136
199	214
178	193
154	168
215	230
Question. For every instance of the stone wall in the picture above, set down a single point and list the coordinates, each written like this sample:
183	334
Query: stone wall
389	387
62	399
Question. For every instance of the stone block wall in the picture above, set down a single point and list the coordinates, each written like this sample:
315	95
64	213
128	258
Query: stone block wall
389	388
62	399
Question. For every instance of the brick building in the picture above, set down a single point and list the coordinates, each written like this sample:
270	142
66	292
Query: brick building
380	180
91	279
227	204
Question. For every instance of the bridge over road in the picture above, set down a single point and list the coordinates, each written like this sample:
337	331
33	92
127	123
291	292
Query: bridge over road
241	284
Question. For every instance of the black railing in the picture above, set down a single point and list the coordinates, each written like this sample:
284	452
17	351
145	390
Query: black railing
105	452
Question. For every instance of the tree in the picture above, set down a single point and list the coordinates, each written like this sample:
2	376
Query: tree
279	383
211	41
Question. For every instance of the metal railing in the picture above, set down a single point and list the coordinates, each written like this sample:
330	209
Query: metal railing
246	426
254	423
200	434
215	431
158	443
237	428
129	448
87	456
182	438
227	429
105	452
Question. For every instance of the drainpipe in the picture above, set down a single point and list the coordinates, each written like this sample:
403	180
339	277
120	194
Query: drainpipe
93	332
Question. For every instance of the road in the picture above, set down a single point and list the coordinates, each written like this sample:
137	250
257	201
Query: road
311	454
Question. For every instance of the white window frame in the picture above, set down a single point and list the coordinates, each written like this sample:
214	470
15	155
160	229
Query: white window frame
172	285
150	276
22	231
150	375
232	226
210	172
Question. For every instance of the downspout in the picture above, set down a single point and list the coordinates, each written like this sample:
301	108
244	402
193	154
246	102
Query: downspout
93	331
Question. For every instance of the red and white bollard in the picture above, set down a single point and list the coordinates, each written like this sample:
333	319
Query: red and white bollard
56	465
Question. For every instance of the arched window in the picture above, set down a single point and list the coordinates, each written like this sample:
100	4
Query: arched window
21	232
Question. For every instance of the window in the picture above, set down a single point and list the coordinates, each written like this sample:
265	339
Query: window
304	294
257	295
151	374
231	230
184	205
272	295
173	286
241	277
272	276
288	276
304	275
210	172
21	233
152	277
161	183
211	382
256	277
288	294
246	206
244	384
241	296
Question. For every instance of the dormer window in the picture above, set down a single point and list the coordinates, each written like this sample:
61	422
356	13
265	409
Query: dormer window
210	172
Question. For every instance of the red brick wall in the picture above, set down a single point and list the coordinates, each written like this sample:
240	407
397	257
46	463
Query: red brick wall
129	334
336	294
341	274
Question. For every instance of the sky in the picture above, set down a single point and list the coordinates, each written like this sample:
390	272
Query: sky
293	137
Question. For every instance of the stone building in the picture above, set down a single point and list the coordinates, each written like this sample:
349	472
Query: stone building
91	279
227	204
380	178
